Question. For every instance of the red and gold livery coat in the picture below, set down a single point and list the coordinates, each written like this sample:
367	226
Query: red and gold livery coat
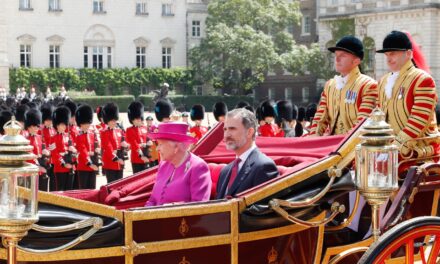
341	109
411	110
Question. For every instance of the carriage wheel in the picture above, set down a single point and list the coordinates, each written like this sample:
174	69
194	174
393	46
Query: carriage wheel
416	237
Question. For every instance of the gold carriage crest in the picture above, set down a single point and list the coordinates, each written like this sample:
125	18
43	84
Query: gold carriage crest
183	228
184	261
272	256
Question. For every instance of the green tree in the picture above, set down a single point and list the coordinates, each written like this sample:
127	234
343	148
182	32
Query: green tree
245	39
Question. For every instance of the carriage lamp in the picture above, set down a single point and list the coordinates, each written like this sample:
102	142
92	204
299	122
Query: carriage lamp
376	165
18	188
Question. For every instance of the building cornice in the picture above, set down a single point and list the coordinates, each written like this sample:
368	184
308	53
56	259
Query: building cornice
380	10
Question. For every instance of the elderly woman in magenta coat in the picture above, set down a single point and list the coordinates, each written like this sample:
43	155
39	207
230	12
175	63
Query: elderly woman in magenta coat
182	176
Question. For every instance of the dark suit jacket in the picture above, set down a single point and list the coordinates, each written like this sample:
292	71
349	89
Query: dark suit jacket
257	169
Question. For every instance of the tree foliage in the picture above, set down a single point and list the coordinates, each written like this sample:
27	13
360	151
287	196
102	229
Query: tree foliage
246	39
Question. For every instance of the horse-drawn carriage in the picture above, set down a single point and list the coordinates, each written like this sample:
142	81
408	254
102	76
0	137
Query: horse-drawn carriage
311	213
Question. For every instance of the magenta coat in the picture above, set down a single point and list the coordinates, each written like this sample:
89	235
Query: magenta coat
191	182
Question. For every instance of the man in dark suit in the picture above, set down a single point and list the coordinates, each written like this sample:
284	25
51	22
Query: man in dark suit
251	167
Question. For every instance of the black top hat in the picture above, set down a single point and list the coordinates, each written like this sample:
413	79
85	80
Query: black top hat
197	112
163	109
284	109
110	111
351	45
219	109
267	110
61	115
32	118
135	110
84	115
395	41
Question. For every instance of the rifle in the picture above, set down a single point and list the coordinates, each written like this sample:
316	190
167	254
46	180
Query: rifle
122	152
43	161
96	157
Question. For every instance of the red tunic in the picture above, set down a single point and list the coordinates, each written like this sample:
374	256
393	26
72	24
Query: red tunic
35	141
198	131
101	126
47	133
270	130
73	132
84	145
60	147
135	136
110	142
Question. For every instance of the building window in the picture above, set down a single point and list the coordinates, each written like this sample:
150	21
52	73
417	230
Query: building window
333	2
167	10
54	5
306	25
271	93
196	28
86	57
141	8
305	94
198	89
54	56
25	55
166	57
288	93
98	6
98	57
109	57
141	57
25	4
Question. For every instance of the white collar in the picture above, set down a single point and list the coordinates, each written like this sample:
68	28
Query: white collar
391	80
341	81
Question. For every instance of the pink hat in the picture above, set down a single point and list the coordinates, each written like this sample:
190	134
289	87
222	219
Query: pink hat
175	131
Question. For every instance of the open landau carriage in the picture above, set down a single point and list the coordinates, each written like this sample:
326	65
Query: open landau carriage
311	213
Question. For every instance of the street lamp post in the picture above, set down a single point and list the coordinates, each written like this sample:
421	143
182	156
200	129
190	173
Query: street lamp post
376	165
18	188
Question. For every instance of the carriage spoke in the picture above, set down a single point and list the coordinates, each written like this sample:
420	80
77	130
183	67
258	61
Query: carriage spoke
409	249
434	251
422	254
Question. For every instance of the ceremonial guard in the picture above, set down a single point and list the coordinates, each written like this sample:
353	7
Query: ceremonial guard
408	97
284	117
348	97
197	114
32	125
62	154
101	126
269	128
85	145
47	132
137	138
219	111
111	144
73	128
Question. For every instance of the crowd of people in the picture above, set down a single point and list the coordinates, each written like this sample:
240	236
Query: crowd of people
71	149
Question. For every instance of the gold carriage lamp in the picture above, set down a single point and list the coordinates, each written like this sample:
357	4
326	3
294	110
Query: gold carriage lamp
18	188
376	165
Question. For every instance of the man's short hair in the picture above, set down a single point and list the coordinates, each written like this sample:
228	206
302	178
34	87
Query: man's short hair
248	118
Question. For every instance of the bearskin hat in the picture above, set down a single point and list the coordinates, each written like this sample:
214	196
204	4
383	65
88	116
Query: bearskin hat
61	115
110	111
310	111
20	112
219	109
46	112
32	118
135	110
197	112
242	104
163	109
294	112
84	115
71	105
267	110
301	114
284	109
5	116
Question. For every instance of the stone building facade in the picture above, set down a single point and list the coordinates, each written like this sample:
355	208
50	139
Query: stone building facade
373	20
